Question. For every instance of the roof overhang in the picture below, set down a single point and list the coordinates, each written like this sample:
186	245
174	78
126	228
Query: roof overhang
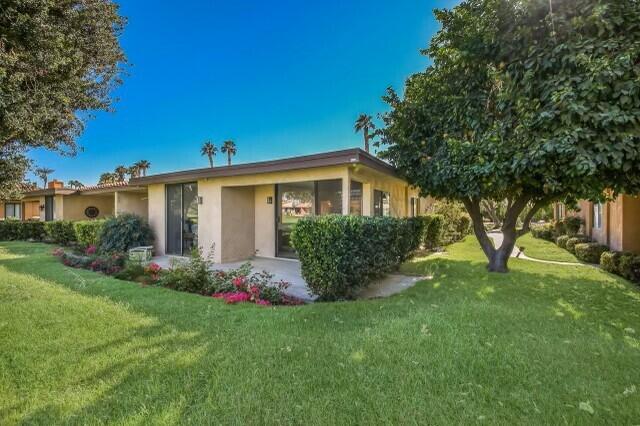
326	159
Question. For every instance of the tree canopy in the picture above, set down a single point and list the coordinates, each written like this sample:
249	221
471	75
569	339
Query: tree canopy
59	61
528	102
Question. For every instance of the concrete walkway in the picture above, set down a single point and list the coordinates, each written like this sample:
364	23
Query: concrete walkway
497	238
289	270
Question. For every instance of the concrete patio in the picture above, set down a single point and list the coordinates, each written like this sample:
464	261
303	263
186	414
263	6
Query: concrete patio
289	271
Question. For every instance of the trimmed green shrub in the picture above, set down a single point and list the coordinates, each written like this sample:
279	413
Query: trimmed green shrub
456	220
571	243
433	228
629	266
561	241
590	252
60	231
88	231
341	254
13	230
559	228
572	225
610	261
544	231
126	231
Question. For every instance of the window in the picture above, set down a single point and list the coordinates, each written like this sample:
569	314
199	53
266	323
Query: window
560	211
355	199
414	207
597	215
381	203
13	211
329	195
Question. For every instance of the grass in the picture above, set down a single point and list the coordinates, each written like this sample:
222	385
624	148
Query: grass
544	250
544	344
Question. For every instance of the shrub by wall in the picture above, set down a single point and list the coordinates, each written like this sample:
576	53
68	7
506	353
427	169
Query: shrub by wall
572	225
610	261
88	231
126	231
571	243
629	266
60	231
545	231
341	254
12	230
589	252
561	241
433	229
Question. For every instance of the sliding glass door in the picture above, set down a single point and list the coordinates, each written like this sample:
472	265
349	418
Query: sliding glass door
182	218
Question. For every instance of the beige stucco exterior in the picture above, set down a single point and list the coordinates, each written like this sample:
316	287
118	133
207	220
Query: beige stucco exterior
620	228
131	202
72	207
236	216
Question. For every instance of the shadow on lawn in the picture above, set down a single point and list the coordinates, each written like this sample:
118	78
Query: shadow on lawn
198	358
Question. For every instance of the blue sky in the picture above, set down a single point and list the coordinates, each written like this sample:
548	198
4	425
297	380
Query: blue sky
280	78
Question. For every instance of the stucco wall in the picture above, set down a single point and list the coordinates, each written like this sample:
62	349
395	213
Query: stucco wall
73	206
132	202
372	180
238	223
156	214
265	219
614	221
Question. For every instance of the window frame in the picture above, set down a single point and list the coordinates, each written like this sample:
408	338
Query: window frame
13	216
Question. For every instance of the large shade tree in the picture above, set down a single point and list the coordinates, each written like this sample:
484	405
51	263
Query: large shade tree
59	61
528	102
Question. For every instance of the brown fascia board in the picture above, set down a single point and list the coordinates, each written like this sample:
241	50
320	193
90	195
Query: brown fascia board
325	159
49	191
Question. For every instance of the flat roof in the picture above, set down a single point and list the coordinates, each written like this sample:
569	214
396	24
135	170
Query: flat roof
325	159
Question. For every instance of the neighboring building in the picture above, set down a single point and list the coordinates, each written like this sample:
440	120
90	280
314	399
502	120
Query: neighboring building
615	224
248	209
57	202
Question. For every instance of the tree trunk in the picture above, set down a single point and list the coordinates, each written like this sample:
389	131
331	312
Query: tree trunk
366	140
500	259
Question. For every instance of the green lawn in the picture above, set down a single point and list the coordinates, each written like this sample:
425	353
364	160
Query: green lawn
544	250
545	344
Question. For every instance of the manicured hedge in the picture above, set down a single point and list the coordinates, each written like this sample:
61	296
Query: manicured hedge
88	231
610	261
126	231
545	231
12	230
341	254
589	252
572	225
432	231
561	241
629	266
60	231
571	243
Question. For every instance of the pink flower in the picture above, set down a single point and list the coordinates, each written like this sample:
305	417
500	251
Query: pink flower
237	297
90	250
238	282
263	302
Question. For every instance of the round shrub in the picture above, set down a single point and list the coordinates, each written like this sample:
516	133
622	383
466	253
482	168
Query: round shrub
433	229
341	254
610	261
589	252
572	225
629	266
544	231
561	241
126	231
571	243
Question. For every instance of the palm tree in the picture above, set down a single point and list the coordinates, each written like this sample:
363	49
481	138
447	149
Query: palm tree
133	171
209	149
75	184
43	173
364	124
107	178
143	166
120	172
229	147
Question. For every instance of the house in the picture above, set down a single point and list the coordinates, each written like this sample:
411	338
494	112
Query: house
244	210
57	202
615	224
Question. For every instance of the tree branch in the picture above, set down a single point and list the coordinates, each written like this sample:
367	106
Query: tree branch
473	208
526	225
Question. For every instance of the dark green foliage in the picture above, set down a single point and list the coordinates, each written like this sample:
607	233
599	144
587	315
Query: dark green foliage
433	229
561	241
545	231
572	225
76	260
132	271
610	261
126	231
571	243
13	230
193	276
60	231
341	254
629	266
559	228
455	221
589	252
88	231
